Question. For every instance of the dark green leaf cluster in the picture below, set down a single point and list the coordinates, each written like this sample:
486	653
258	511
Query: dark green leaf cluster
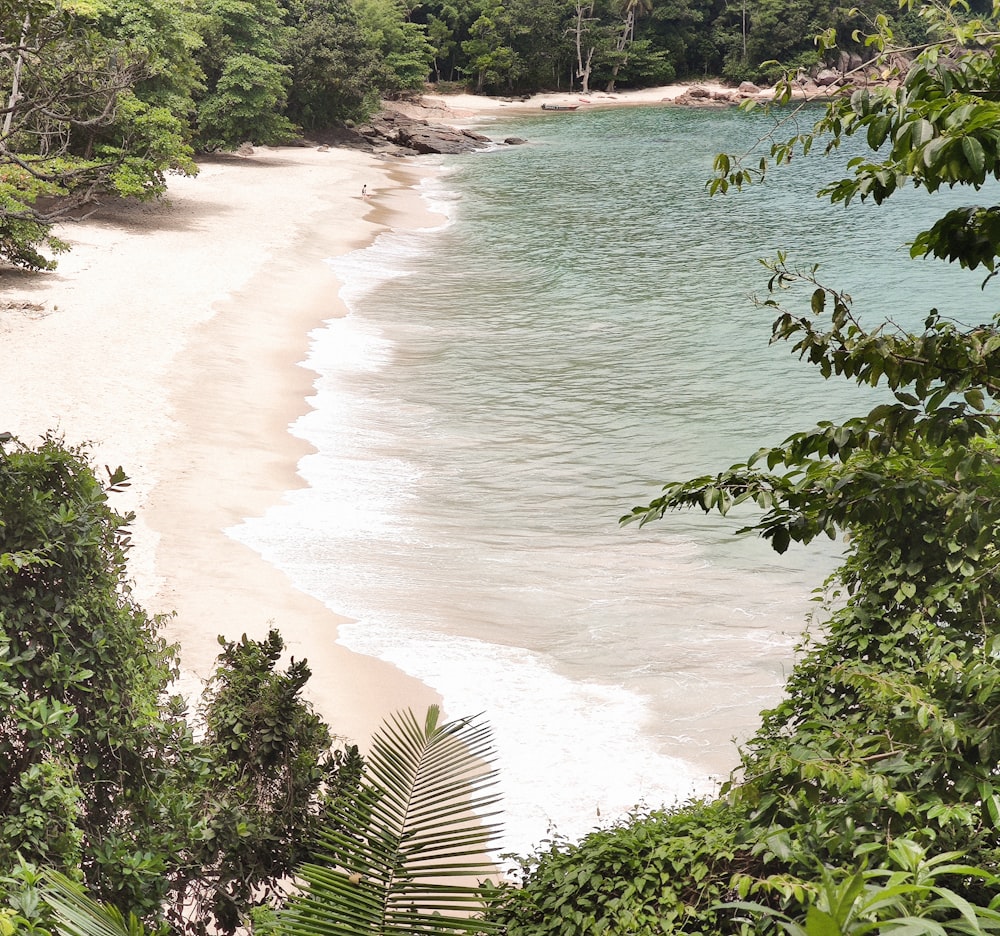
102	776
651	873
909	896
271	769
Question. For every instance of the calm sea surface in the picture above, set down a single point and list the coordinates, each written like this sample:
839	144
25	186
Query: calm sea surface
508	385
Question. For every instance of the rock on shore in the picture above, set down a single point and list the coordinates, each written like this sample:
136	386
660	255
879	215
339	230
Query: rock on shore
393	133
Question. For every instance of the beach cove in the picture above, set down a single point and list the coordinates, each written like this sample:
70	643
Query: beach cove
538	336
170	341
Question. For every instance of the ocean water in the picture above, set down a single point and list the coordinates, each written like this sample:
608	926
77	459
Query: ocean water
575	332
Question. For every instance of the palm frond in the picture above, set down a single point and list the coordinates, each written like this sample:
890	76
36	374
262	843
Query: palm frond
78	914
390	857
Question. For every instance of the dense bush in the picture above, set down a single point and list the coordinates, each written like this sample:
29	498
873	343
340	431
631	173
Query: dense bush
102	774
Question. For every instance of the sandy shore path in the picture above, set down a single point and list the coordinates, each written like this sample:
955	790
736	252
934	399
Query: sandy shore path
170	340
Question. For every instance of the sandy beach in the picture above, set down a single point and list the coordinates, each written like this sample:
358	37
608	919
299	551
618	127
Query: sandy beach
169	340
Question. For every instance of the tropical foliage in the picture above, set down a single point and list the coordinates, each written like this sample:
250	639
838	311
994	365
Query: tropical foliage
398	855
73	123
102	775
106	97
868	800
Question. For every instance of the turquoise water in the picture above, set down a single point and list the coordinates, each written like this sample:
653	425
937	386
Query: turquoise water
576	332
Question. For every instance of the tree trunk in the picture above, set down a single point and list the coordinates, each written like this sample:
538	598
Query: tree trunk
583	67
15	87
625	39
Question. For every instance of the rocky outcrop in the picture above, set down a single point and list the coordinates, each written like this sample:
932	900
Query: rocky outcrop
396	134
698	96
827	77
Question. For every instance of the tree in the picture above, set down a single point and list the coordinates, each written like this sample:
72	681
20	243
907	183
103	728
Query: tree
166	33
585	49
403	45
625	38
490	49
271	770
73	128
102	775
246	83
335	74
81	674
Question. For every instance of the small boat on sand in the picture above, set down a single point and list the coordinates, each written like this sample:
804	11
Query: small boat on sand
560	106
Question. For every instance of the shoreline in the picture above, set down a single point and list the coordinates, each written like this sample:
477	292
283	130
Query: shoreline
171	338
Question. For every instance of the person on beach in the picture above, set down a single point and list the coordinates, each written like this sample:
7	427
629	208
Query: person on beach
364	191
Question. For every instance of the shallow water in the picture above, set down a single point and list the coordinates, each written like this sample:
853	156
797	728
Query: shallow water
511	383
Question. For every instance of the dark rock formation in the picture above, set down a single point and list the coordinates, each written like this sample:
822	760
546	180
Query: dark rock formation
697	96
827	77
398	135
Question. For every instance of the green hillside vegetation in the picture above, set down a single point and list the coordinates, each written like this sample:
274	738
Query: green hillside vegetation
106	777
868	801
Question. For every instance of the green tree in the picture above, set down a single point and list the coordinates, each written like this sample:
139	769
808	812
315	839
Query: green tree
680	31
167	34
490	50
335	74
73	128
82	670
102	775
271	769
441	29
246	84
403	45
629	10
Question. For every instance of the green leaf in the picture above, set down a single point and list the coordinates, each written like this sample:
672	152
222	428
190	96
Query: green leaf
974	155
821	923
421	819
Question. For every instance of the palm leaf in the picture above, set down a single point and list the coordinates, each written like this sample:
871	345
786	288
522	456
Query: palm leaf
397	856
78	914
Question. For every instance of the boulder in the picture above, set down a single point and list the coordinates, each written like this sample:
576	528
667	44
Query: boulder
849	61
447	140
418	136
697	91
687	99
827	77
515	141
748	87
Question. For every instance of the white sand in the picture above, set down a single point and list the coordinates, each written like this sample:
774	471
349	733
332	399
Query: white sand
170	338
